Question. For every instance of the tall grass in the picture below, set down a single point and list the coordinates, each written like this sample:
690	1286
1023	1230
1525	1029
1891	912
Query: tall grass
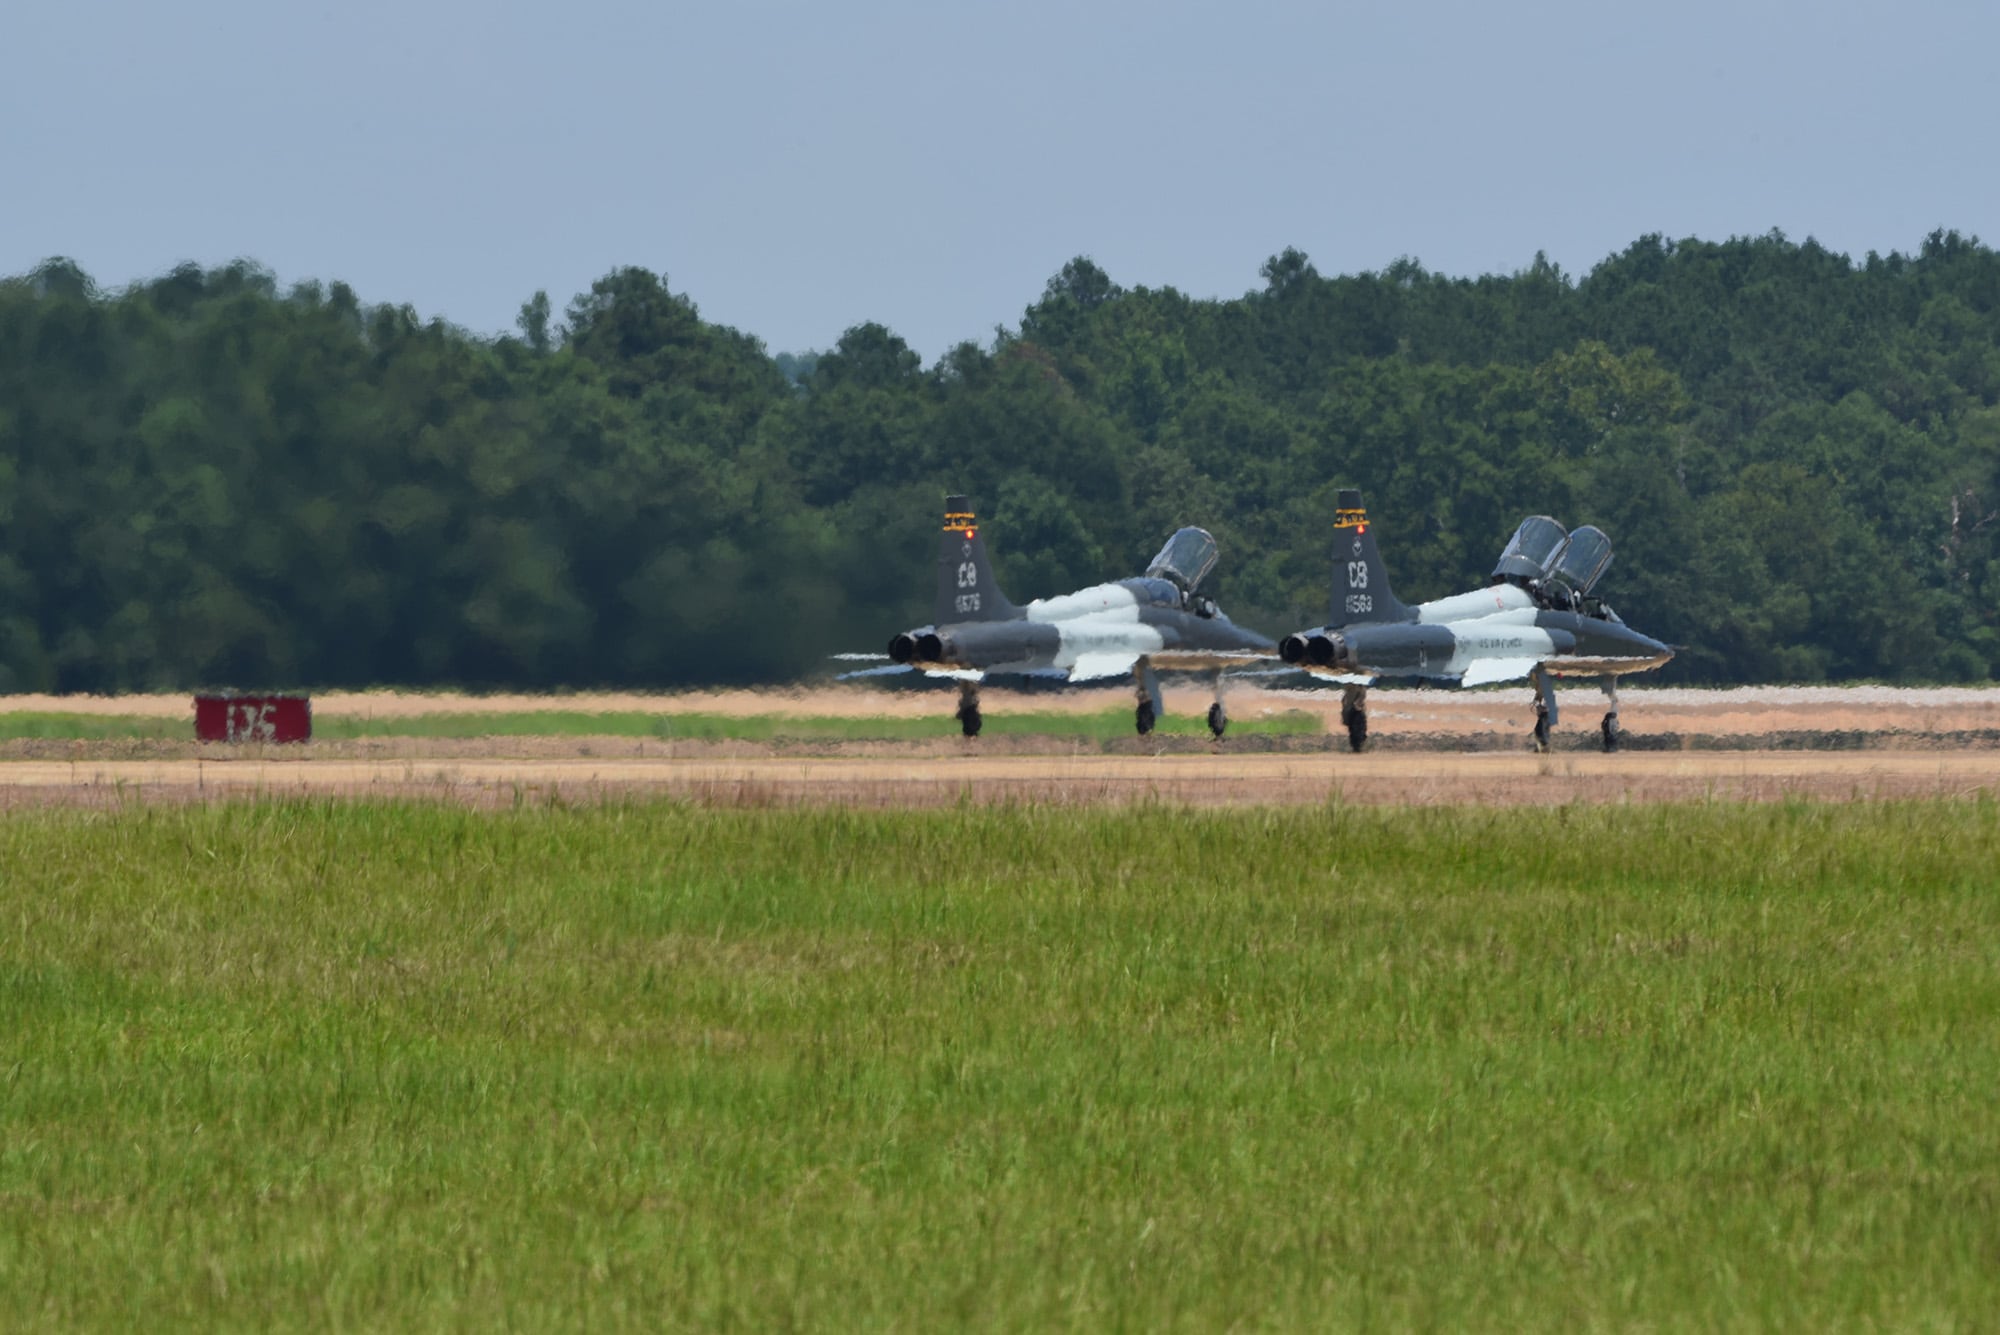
377	1064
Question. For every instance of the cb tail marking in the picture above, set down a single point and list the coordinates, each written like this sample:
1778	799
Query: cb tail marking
1361	590
966	589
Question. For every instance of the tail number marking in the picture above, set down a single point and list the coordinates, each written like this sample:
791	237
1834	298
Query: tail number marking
250	722
968	602
968	575
1357	574
1359	602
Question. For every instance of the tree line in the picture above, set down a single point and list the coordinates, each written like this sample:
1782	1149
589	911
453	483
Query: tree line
206	480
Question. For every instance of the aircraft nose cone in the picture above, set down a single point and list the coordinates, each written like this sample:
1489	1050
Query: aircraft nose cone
1660	652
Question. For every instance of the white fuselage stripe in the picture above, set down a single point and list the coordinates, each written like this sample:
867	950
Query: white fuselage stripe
1477	603
1100	602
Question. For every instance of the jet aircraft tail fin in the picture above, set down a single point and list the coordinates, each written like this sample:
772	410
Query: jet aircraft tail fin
1360	582
967	590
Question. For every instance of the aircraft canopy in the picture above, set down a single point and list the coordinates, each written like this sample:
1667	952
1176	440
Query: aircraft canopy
1186	559
1585	558
1532	551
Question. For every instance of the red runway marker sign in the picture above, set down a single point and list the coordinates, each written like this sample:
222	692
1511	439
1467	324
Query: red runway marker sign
253	718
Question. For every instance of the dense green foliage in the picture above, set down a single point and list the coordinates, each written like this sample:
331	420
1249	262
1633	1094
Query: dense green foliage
204	480
393	1066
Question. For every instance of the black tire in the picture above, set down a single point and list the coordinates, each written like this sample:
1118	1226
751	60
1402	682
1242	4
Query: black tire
969	720
1144	718
1611	732
1357	729
1218	719
1541	731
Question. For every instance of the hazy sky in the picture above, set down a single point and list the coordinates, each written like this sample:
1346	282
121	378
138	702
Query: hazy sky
797	169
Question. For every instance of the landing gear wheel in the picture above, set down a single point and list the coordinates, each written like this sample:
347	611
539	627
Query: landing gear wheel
1611	731
1356	722
1541	728
1144	717
1218	719
969	720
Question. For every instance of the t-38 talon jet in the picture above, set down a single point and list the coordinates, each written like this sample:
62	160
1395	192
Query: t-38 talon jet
1156	622
1537	619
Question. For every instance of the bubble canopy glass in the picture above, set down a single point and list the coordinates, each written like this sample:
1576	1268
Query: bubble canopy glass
1585	558
1532	551
1186	559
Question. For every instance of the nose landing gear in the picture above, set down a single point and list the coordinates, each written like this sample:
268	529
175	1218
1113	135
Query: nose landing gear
969	721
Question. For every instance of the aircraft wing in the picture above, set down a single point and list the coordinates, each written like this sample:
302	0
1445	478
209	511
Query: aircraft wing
1209	660
901	669
886	670
1093	667
1486	670
1316	675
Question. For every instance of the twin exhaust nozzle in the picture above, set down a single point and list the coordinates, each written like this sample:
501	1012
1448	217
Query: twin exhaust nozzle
917	646
1316	648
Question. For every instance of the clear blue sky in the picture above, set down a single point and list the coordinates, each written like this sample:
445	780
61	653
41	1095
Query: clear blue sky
797	169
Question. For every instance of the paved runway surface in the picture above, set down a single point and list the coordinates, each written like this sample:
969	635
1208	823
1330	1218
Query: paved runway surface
1209	779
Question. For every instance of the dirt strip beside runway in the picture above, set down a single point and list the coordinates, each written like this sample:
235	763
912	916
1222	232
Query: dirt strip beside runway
1205	780
1504	711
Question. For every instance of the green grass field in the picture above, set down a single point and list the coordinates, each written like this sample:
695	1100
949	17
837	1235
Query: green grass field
318	1064
93	727
1103	725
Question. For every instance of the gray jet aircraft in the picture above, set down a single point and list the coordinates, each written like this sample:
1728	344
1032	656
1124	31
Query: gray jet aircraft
1158	621
1544	624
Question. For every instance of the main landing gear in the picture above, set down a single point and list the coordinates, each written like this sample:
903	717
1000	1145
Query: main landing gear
1148	711
1545	707
1354	715
968	709
1545	711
